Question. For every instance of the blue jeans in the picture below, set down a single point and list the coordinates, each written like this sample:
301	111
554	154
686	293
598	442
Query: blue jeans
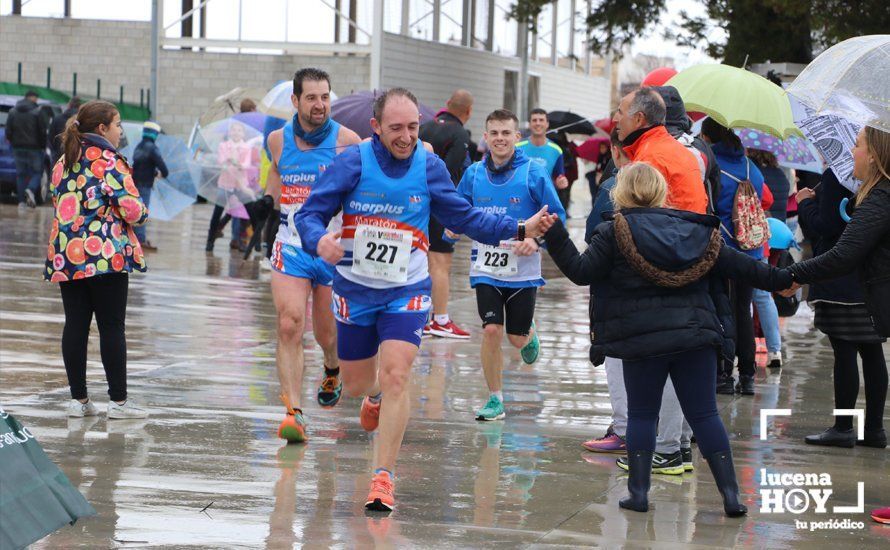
145	194
28	171
769	318
694	376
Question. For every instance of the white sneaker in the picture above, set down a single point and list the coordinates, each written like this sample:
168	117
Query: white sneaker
128	410
265	264
774	359
76	409
29	198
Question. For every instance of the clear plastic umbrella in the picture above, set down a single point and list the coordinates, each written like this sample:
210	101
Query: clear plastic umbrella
228	154
179	190
849	79
277	102
228	104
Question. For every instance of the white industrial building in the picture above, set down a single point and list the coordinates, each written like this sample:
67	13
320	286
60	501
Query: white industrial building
428	46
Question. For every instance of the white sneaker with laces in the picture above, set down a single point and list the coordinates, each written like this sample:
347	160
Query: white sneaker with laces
129	409
774	359
76	409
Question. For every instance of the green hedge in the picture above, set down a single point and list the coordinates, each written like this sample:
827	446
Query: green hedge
128	111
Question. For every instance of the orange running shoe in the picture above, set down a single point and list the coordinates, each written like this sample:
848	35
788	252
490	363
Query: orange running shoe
381	498
369	415
293	428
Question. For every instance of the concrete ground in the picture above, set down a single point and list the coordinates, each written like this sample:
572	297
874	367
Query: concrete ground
201	339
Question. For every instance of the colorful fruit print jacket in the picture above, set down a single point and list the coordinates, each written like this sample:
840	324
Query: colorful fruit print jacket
96	206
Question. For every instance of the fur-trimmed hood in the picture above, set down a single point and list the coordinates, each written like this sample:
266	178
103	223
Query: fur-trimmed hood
669	248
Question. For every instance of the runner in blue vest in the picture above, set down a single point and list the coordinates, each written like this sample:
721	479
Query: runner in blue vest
388	187
301	151
542	150
506	277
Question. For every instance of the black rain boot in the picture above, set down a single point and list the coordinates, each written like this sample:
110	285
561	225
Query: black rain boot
639	464
724	474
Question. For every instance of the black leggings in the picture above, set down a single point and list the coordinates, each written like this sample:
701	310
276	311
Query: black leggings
846	381
106	296
740	294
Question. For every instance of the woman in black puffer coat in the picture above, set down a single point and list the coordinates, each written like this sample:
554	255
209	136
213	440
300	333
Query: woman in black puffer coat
652	270
863	247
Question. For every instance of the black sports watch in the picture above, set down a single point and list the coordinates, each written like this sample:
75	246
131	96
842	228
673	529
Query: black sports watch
520	230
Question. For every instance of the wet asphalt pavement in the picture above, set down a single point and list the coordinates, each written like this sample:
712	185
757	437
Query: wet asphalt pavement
201	340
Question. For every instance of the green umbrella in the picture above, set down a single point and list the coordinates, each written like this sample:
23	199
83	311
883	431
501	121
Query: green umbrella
736	98
35	496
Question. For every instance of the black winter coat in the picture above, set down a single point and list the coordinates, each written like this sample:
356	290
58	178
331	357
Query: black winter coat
147	163
821	219
25	126
652	272
450	141
56	127
864	247
778	184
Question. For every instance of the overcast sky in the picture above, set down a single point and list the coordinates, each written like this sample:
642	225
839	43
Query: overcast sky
312	21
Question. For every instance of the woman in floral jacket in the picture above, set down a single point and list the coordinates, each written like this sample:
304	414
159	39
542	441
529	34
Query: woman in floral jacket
92	248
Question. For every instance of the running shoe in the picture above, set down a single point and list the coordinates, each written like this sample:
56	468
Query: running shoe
381	498
609	443
329	391
530	351
426	330
881	515
669	464
129	409
76	409
448	330
775	360
369	416
493	410
293	428
686	453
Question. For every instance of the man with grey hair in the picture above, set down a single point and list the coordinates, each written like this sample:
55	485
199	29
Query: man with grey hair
640	121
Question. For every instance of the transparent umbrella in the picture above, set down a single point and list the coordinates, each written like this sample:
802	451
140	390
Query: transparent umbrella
228	154
849	79
179	190
228	104
277	102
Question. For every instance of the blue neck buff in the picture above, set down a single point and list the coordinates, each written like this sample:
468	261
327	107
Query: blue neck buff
315	136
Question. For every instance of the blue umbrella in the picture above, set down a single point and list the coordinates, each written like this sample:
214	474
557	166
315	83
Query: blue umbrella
179	190
355	111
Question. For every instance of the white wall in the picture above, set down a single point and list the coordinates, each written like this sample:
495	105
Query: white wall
432	71
119	52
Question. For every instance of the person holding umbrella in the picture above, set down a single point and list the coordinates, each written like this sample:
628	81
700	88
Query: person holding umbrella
863	247
147	165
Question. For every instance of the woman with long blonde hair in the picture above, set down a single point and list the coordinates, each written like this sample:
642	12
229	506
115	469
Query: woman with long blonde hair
652	272
864	247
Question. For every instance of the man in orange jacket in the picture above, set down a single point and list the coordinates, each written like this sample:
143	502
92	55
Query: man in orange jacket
640	121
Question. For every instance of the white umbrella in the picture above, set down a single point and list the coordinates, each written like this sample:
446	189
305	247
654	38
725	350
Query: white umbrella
277	102
849	79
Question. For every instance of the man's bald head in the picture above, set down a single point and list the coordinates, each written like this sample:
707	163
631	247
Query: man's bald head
460	104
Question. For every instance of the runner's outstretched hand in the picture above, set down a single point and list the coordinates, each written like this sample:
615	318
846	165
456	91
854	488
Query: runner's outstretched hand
540	223
526	248
329	248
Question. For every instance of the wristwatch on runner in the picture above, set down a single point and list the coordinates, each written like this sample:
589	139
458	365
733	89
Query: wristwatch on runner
520	230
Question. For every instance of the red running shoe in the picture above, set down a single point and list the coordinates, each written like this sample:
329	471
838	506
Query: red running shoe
881	515
381	498
369	416
448	330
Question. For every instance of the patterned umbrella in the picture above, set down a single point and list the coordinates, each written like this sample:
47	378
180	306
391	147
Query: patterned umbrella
794	152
